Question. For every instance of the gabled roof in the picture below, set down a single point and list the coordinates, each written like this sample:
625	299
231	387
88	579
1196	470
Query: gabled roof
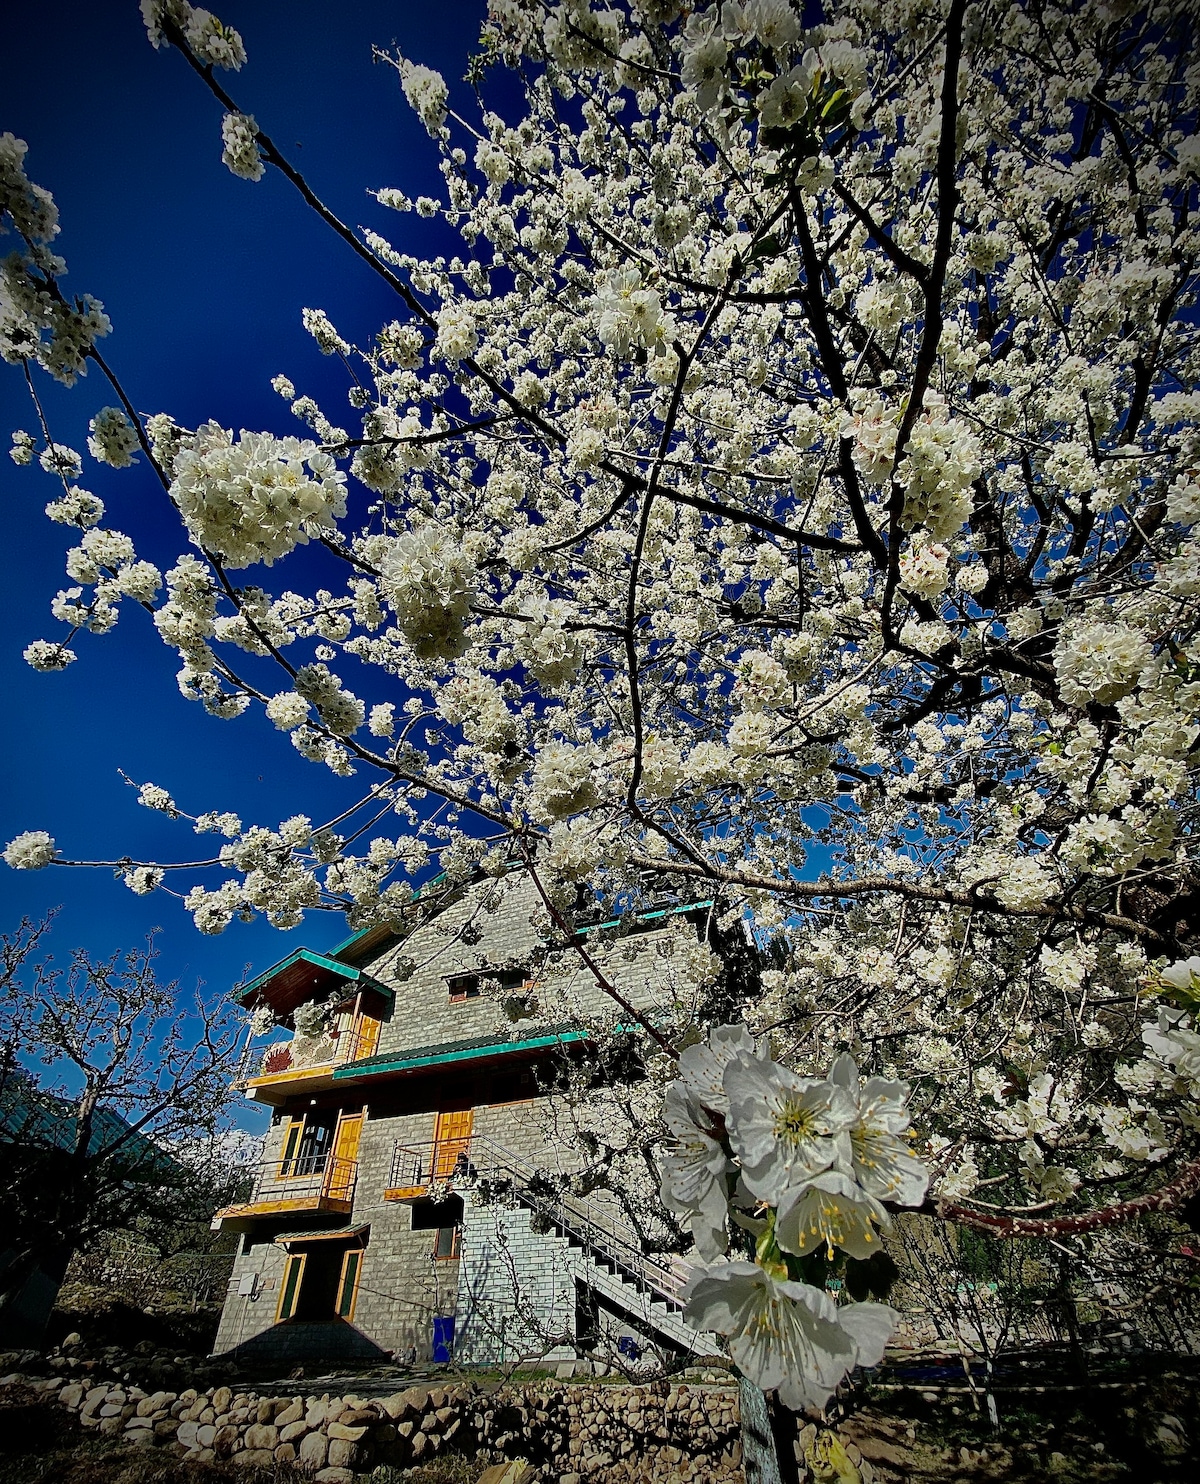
301	976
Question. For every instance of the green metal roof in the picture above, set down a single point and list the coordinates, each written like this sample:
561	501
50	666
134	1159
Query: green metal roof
347	943
596	927
318	960
449	1052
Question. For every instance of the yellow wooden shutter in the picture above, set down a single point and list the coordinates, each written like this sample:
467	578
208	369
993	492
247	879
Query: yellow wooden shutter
452	1138
291	1143
366	1037
342	1165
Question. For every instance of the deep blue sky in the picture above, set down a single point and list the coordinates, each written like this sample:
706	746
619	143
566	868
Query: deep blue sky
204	277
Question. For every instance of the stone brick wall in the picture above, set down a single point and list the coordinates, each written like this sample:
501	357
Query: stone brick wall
244	1315
423	1014
516	1298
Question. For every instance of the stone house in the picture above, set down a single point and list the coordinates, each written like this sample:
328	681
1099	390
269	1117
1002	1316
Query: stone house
439	1072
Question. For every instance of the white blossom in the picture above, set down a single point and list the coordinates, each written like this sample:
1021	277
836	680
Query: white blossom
141	880
426	92
241	153
693	1167
785	1128
256	498
113	438
30	851
152	796
45	655
784	1335
881	1160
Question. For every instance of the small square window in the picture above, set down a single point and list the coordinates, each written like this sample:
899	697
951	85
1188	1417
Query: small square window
446	1245
463	987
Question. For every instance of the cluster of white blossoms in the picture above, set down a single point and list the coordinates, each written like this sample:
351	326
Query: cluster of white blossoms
552	651
941	462
47	656
255	498
1099	658
742	509
630	316
30	851
427	92
240	153
923	569
456	333
154	796
38	322
213	42
803	1165
113	438
428	581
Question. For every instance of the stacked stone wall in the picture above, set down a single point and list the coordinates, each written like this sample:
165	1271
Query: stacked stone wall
571	1434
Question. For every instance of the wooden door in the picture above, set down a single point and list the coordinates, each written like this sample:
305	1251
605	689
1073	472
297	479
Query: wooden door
452	1138
343	1163
365	1038
289	1289
347	1294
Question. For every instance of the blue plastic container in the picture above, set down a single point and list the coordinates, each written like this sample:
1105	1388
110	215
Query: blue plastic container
443	1340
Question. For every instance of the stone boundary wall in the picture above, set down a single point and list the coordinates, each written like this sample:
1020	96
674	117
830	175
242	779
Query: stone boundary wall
571	1434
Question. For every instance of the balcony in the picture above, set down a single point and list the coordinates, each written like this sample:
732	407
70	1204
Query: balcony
313	1183
417	1167
274	1073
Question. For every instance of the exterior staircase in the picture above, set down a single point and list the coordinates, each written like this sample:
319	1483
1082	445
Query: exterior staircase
647	1290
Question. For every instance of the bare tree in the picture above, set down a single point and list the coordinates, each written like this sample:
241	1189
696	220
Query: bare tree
111	1089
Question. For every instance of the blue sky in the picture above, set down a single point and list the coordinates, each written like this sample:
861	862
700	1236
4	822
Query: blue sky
204	277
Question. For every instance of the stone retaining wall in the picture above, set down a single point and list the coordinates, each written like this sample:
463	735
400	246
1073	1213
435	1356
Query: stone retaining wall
573	1434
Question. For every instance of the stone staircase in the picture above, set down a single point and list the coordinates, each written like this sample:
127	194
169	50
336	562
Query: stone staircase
646	1290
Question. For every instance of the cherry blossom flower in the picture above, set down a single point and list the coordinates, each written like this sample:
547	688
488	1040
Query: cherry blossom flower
784	1128
787	1336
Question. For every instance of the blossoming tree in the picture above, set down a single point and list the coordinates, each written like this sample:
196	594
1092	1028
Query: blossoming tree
788	493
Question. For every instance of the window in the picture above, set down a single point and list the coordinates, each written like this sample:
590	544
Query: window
463	987
468	986
306	1146
446	1244
444	1218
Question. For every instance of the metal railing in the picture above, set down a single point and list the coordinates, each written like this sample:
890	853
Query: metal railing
301	1054
303	1177
429	1161
580	1220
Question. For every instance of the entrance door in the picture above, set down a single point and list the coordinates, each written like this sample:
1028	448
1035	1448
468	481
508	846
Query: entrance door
320	1281
452	1139
342	1167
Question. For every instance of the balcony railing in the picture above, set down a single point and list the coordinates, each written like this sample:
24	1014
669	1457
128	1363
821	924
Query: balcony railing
302	1054
417	1166
306	1182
